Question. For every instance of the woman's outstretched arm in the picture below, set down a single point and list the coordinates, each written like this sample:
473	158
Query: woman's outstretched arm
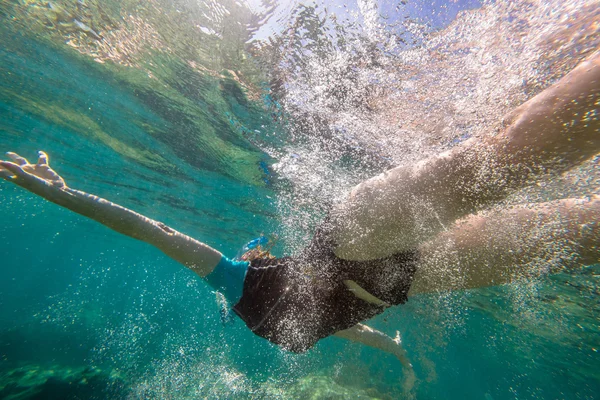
42	180
368	336
507	245
406	206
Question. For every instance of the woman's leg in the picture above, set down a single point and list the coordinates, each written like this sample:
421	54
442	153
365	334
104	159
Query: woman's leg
406	206
499	247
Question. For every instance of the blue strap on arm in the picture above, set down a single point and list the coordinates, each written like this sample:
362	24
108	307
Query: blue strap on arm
228	278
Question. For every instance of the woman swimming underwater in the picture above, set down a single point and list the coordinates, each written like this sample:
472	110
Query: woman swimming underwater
387	240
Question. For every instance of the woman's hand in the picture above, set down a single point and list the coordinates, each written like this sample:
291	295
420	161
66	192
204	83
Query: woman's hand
29	175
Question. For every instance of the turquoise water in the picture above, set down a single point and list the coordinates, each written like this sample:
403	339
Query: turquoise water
88	313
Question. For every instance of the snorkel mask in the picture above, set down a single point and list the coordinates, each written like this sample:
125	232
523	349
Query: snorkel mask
256	248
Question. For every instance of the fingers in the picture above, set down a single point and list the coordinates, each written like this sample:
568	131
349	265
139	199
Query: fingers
43	158
6	174
10	169
17	158
25	174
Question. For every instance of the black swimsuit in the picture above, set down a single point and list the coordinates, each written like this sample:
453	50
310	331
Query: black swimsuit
294	302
